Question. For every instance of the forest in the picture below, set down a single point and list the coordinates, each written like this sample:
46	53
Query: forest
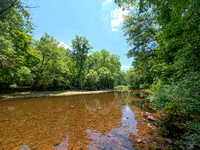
164	37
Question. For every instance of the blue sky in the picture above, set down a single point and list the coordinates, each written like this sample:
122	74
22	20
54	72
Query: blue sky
99	20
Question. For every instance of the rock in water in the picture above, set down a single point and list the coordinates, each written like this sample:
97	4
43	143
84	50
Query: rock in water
168	141
145	142
151	118
139	140
147	113
94	110
99	108
72	107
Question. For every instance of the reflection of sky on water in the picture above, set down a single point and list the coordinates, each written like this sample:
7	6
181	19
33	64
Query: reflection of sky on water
62	146
118	138
25	147
128	120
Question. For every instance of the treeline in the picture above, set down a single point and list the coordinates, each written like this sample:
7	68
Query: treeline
165	40
46	64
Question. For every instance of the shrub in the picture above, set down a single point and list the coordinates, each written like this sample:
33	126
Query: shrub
181	103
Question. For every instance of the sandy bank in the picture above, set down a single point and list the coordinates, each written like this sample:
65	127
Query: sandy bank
51	94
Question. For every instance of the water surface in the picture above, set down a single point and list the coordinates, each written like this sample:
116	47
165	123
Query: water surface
114	120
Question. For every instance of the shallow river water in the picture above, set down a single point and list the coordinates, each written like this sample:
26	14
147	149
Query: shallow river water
114	120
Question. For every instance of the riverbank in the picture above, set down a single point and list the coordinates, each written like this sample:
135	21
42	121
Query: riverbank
48	94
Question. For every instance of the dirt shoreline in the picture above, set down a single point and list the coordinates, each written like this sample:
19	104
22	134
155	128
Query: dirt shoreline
52	94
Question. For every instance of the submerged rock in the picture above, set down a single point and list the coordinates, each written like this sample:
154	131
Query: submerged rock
139	140
145	142
168	141
156	133
151	118
151	139
156	124
124	125
94	110
147	113
72	107
148	125
99	108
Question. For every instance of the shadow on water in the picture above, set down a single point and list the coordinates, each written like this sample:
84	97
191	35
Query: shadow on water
115	120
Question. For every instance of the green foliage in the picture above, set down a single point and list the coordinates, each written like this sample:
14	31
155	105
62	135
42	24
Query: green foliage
45	64
120	78
141	29
24	76
79	54
181	96
104	59
47	72
181	102
106	80
108	68
15	41
136	81
92	80
165	36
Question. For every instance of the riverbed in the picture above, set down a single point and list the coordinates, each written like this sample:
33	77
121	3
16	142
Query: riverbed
113	120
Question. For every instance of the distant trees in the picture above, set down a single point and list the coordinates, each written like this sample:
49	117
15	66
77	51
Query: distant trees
107	67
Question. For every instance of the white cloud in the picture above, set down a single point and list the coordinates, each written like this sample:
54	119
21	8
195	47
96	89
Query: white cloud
62	44
117	16
107	2
125	67
114	29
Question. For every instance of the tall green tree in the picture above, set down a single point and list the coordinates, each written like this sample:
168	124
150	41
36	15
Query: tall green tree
52	69
79	54
15	40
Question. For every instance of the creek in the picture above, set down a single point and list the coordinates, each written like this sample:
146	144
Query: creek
113	120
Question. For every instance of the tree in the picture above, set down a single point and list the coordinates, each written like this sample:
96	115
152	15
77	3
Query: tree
174	62
104	61
172	27
47	72
106	80
141	29
92	80
15	40
80	49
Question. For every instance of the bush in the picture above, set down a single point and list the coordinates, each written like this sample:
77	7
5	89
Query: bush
181	103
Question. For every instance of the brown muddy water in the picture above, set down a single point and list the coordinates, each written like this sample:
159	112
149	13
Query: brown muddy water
114	120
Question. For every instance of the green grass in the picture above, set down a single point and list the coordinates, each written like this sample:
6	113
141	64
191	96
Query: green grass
121	88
